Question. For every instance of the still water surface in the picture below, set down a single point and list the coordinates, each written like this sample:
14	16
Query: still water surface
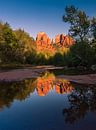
47	103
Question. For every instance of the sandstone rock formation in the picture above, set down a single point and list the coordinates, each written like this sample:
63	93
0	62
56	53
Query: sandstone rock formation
42	39
44	42
64	40
45	45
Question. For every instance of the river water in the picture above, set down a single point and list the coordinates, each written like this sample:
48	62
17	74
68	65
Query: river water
47	103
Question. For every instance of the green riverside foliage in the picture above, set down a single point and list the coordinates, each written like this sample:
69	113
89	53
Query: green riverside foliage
83	29
8	44
81	54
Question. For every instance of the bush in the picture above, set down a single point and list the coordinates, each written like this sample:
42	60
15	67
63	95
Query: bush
82	54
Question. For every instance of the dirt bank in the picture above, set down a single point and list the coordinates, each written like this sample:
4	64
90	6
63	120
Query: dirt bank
20	74
82	79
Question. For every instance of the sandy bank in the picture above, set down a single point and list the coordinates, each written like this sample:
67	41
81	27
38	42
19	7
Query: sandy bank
34	72
20	74
82	79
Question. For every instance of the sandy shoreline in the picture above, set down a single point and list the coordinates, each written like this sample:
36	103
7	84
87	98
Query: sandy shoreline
20	74
34	72
82	79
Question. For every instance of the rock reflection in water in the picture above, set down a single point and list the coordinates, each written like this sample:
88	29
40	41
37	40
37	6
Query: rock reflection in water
82	100
63	86
21	90
45	83
48	82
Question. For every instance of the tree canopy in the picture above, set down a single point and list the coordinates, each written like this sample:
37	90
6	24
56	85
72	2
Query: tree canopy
79	23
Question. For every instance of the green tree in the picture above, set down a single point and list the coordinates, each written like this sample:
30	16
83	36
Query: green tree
24	39
79	23
58	59
93	31
26	44
82	54
8	43
93	27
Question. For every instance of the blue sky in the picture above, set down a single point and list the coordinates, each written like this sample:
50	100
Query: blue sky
41	15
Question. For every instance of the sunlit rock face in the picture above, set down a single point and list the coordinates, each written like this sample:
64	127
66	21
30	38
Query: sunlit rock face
43	42
64	40
42	39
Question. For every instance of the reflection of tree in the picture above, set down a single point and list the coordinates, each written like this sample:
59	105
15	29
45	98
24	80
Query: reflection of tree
17	90
82	100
